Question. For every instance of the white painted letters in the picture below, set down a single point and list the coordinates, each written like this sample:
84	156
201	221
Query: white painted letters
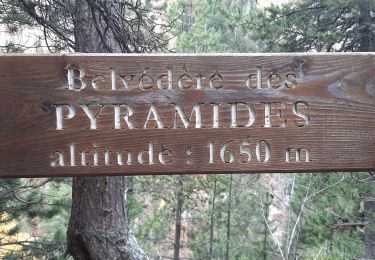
60	116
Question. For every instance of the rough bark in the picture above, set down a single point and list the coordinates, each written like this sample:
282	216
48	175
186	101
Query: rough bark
90	32
98	226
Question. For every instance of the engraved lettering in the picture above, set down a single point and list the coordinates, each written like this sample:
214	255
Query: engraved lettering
95	155
92	115
263	151
271	79
113	78
200	77
240	115
165	156
120	158
58	159
290	81
72	155
251	81
300	154
185	120
246	151
234	109
259	77
126	79
268	114
168	78
83	157
226	155
215	116
147	153
72	78
297	111
146	82
60	116
188	152
153	114
216	81
98	82
229	153
107	159
184	81
125	115
77	80
211	152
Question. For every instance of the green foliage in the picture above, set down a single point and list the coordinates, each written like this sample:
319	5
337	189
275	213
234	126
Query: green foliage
249	236
331	206
34	215
152	227
12	19
12	47
326	25
211	25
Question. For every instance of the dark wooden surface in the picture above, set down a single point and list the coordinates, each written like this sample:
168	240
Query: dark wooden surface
339	91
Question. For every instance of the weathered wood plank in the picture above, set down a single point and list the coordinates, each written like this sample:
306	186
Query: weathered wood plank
191	113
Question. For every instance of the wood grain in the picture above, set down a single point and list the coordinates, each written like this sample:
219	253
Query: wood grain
335	91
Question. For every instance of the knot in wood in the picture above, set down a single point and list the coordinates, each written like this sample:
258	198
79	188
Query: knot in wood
48	107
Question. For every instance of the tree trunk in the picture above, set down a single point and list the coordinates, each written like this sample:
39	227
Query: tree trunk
367	41
98	225
370	228
177	237
367	44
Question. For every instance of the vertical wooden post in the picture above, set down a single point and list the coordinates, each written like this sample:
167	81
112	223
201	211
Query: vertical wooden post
370	228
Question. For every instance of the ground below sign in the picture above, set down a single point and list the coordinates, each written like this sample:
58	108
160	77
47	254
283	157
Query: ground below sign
86	115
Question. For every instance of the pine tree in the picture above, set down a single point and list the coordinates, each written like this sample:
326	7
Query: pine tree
211	25
315	25
98	226
332	216
29	207
328	211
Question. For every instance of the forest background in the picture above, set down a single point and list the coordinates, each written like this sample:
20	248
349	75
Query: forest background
242	216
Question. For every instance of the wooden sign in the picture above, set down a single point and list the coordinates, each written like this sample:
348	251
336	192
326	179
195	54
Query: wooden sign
90	115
